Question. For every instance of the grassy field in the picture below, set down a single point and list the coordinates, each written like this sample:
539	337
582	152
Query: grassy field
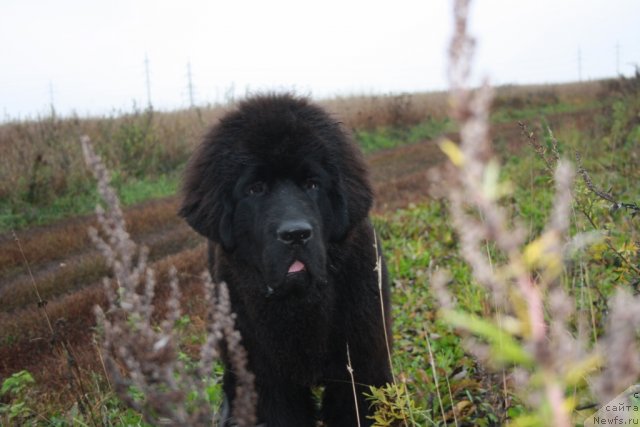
48	264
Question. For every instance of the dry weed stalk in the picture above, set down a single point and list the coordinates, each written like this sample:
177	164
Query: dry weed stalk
633	208
353	385
141	357
549	162
526	288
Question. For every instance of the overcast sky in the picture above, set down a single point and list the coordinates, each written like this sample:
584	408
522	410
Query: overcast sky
89	56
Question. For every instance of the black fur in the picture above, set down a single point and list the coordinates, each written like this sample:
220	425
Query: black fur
276	182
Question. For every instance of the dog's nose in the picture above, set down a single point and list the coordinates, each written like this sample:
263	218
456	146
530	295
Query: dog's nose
295	232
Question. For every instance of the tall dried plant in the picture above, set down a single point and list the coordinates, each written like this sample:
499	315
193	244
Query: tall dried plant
532	331
140	356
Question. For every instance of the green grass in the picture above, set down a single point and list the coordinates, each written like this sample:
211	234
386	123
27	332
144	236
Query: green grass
505	115
20	214
391	137
414	239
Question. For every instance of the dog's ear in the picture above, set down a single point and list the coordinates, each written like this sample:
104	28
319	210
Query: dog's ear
207	206
225	227
351	197
210	219
339	214
355	187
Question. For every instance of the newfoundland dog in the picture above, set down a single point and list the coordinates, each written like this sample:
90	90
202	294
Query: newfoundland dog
282	193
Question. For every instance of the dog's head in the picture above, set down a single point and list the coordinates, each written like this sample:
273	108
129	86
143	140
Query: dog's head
274	183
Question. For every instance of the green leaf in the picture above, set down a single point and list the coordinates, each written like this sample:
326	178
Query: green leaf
16	383
504	347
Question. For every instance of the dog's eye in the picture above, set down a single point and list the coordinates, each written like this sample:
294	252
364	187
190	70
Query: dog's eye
311	184
257	188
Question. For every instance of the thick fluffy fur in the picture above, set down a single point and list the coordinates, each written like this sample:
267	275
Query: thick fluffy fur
283	196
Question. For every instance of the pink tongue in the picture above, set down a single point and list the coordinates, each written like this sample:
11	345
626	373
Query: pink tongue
296	267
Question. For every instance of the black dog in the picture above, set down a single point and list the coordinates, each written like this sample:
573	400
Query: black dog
283	196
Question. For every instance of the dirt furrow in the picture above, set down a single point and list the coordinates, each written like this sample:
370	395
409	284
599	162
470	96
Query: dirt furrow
66	238
75	272
26	338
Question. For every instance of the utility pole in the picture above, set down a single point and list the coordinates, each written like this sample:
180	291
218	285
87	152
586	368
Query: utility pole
51	103
190	85
146	71
617	59
230	94
579	64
